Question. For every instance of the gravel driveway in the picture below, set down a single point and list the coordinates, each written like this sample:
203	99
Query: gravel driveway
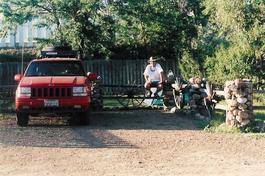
140	142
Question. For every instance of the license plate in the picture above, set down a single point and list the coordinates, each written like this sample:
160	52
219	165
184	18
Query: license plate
51	103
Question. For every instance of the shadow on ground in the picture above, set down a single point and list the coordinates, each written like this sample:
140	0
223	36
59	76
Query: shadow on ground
141	119
99	134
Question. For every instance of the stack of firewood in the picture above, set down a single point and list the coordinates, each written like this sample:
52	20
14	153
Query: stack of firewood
197	94
239	99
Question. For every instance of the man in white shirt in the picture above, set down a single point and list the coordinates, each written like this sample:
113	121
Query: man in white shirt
153	76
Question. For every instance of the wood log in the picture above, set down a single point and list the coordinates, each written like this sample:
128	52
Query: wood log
192	102
242	107
231	103
229	115
227	90
198	81
231	108
227	122
235	112
249	103
176	86
244	114
242	100
196	86
245	122
196	96
227	94
239	118
232	123
192	80
203	95
194	106
238	82
238	95
228	83
202	90
250	108
234	90
250	98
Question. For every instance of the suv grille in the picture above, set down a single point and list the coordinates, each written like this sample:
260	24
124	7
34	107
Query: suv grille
51	92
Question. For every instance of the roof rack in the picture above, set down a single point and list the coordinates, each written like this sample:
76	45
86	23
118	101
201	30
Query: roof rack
70	54
58	52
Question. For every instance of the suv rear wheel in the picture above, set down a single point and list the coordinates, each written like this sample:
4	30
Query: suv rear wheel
22	119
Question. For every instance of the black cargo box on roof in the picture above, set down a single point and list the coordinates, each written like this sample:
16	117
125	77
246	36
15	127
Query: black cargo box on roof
58	51
70	54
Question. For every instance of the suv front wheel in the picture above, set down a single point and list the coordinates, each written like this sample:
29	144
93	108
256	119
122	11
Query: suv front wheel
80	118
22	119
84	117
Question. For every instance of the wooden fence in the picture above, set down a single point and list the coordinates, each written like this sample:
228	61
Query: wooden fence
113	72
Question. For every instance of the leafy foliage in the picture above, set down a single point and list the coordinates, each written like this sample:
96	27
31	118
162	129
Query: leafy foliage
189	67
10	55
165	28
152	27
218	39
239	25
82	24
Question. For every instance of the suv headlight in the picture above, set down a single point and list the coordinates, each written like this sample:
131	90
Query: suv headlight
24	92
79	91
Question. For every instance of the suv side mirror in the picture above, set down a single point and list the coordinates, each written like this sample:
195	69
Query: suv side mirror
18	77
92	76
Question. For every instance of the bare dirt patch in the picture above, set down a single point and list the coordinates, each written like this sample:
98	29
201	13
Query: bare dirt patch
142	142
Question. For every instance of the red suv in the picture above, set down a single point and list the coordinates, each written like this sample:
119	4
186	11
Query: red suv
54	85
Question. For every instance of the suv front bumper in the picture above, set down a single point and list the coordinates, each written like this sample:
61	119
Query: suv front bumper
74	104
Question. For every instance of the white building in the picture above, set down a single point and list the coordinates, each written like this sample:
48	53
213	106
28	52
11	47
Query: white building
24	36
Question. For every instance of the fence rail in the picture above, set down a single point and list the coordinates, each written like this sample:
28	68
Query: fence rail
7	97
222	93
112	72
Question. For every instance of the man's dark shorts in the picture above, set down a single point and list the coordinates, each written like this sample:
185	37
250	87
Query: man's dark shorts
154	84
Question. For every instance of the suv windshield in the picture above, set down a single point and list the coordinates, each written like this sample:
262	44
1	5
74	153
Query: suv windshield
55	68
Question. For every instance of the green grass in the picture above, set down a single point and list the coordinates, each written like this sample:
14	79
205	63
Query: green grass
260	115
259	100
217	123
114	103
7	105
258	136
111	103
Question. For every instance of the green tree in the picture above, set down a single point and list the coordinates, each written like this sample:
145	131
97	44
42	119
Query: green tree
83	24
158	27
189	67
238	38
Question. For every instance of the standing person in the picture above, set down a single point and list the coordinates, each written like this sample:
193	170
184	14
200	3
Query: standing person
153	76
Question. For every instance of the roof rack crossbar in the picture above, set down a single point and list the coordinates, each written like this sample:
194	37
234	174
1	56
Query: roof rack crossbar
70	54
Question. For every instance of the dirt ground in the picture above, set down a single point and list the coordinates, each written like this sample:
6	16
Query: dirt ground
140	142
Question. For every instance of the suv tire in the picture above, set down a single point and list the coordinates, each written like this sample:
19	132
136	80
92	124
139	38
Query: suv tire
22	119
84	117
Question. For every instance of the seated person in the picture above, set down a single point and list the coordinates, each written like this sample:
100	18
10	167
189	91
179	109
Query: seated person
153	76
